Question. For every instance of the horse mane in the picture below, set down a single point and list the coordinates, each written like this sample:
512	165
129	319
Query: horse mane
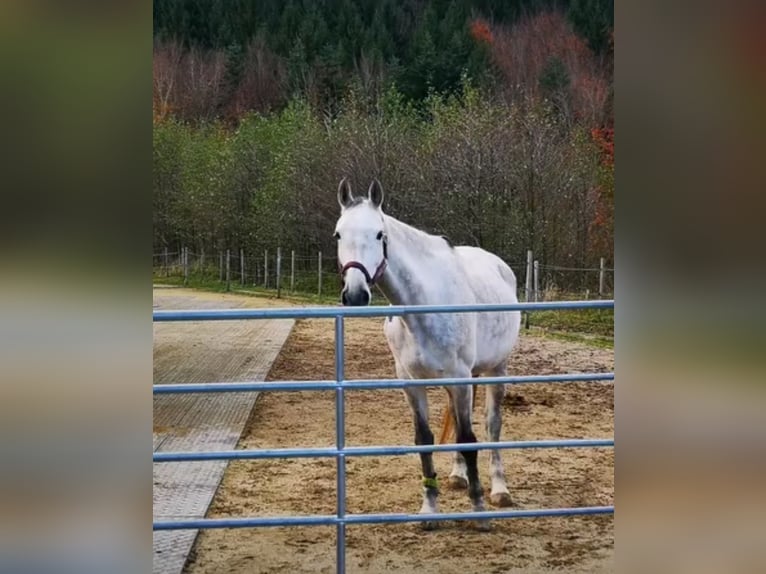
414	232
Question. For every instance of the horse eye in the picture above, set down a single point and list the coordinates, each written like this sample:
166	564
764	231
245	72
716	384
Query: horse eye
337	235
380	235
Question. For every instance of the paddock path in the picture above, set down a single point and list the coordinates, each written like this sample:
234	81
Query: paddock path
202	352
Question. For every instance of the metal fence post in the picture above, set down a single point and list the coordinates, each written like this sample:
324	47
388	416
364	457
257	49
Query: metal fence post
220	266
167	269
340	444
228	270
201	266
292	271
279	272
319	286
537	279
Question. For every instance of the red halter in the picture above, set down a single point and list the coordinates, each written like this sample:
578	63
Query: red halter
371	280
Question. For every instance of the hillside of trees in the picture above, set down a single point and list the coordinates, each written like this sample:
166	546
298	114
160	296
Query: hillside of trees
488	121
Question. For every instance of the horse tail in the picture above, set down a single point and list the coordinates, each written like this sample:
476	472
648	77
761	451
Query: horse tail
448	418
448	421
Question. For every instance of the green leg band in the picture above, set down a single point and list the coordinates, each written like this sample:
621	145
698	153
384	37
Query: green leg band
430	482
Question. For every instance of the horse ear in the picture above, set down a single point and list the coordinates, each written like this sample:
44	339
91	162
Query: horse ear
375	193
345	197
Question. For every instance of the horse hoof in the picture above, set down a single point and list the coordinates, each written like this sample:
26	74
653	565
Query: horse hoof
501	500
455	482
429	525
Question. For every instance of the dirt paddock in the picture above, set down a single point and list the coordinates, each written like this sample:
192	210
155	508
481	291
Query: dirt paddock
536	478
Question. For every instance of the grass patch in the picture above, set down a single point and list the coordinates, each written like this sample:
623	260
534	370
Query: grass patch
593	340
590	326
599	322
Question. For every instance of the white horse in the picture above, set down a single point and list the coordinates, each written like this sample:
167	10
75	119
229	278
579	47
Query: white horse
414	268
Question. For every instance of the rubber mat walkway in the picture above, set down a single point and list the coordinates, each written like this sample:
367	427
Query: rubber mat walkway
201	352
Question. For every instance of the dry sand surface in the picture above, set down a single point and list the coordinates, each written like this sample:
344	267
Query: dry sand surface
537	478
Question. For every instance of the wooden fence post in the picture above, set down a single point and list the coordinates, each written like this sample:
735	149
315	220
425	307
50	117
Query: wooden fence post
242	266
292	271
528	285
201	266
220	266
266	268
319	282
279	272
228	270
601	278
167	269
185	262
536	279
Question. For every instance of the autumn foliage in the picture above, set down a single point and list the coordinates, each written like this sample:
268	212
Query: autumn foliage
498	132
523	53
604	138
480	31
187	83
601	228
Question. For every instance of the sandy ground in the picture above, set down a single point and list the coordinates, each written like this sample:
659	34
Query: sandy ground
537	478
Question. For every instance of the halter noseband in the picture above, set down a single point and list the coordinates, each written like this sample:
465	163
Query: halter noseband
371	280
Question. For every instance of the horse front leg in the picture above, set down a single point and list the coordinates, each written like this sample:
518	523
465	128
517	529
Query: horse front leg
462	402
418	401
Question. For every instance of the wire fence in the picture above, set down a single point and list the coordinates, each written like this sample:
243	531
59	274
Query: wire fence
293	272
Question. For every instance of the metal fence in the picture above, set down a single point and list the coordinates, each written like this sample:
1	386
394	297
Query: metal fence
340	385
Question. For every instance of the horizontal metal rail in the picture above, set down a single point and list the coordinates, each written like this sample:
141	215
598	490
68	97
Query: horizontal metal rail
372	311
329	519
255	454
370	384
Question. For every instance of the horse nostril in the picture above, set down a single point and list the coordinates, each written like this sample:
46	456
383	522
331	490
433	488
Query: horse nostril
354	298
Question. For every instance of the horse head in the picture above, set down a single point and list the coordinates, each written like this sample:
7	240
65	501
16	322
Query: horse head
362	243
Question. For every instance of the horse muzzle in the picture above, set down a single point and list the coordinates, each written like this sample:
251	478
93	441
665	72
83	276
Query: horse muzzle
355	298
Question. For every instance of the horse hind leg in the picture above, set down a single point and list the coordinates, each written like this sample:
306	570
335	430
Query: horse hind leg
461	398
418	401
458	477
499	495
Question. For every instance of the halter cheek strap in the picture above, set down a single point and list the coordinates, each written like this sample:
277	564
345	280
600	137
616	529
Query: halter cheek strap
371	280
